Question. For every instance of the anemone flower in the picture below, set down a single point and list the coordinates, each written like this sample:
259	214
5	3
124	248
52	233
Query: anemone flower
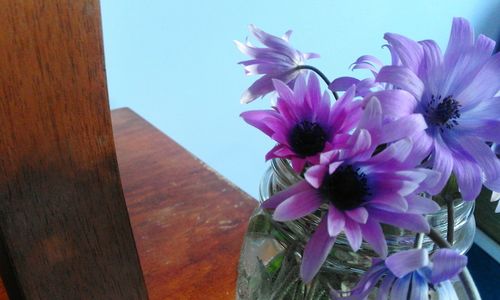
278	60
365	86
455	92
360	190
409	275
304	122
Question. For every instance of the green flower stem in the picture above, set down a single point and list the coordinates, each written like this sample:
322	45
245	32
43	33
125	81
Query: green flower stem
321	74
465	277
419	241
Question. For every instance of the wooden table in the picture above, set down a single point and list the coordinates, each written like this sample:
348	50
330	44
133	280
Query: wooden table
188	221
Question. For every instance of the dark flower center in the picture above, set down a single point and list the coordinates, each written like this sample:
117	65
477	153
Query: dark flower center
307	138
445	114
346	188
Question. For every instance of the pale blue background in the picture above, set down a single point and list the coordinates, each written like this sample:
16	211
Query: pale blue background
174	62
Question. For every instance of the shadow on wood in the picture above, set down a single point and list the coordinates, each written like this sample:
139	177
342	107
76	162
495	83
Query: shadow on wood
64	226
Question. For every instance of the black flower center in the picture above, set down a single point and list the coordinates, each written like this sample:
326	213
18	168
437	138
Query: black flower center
445	114
307	138
346	188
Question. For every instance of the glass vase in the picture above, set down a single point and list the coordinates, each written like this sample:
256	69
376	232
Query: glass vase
271	253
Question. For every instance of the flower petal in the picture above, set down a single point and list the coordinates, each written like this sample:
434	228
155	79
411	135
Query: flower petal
315	174
300	90
342	83
403	127
360	144
461	38
395	103
329	156
410	52
353	234
359	214
446	264
333	166
422	145
432	57
298	164
419	288
389	201
443	163
403	78
413	222
483	155
385	287
468	176
297	206
446	291
367	62
485	84
365	285
416	175
373	235
313	93
486	129
367	282
400	288
422	205
486	109
272	41
341	111
260	67
259	88
278	198
316	251
336	221
257	118
372	115
283	90
397	151
279	151
264	54
405	262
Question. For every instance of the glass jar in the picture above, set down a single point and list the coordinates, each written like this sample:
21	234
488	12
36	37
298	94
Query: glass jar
271	253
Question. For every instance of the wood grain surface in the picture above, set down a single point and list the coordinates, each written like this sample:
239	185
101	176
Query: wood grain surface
64	227
188	221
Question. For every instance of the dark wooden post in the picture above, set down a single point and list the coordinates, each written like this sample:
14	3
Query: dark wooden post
64	227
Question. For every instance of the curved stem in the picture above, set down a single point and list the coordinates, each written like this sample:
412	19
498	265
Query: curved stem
419	240
451	221
465	277
321	74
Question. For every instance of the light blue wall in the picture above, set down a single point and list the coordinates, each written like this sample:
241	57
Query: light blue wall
174	62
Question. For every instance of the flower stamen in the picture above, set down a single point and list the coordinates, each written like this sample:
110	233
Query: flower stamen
445	114
307	138
346	188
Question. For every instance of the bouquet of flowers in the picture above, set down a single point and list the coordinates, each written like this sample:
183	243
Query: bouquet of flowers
387	152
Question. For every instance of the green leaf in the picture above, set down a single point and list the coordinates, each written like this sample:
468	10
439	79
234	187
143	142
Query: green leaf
260	223
450	192
275	264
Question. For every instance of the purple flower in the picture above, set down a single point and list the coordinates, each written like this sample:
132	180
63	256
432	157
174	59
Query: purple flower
304	122
278	60
366	86
455	92
360	190
409	275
